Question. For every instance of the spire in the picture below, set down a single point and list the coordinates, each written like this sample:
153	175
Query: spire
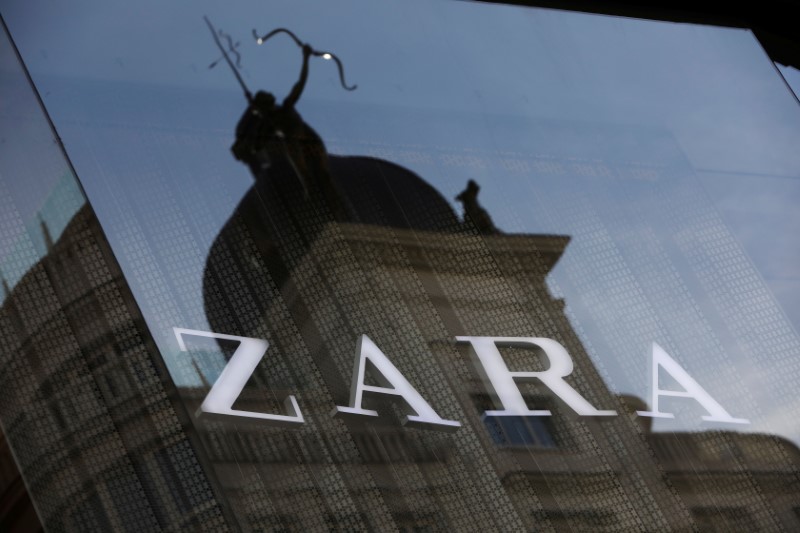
48	239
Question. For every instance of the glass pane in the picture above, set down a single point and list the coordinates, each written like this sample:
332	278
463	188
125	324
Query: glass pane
554	255
85	403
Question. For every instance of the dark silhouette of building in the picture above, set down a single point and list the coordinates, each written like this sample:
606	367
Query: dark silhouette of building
98	436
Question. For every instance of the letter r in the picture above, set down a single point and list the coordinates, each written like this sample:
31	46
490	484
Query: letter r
501	381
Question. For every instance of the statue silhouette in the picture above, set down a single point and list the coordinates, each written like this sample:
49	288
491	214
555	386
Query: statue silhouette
473	210
300	189
274	138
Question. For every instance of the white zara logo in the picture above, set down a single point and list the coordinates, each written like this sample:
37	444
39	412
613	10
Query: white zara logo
485	351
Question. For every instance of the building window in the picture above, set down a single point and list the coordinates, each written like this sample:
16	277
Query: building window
517	431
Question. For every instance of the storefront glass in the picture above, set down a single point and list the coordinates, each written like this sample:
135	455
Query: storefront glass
552	253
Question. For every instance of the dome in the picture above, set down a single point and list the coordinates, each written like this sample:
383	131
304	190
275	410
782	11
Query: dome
381	193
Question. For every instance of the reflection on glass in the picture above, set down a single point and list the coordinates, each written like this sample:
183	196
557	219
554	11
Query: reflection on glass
83	404
600	195
340	259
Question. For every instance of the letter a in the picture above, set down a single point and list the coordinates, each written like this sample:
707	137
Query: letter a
691	389
393	382
229	385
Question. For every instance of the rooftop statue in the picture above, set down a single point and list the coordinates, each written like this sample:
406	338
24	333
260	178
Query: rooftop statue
473	210
292	167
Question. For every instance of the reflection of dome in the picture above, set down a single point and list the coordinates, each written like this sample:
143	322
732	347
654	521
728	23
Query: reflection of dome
278	217
292	166
385	194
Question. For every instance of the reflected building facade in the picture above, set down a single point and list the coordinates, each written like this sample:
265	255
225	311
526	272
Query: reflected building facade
95	414
96	433
413	289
